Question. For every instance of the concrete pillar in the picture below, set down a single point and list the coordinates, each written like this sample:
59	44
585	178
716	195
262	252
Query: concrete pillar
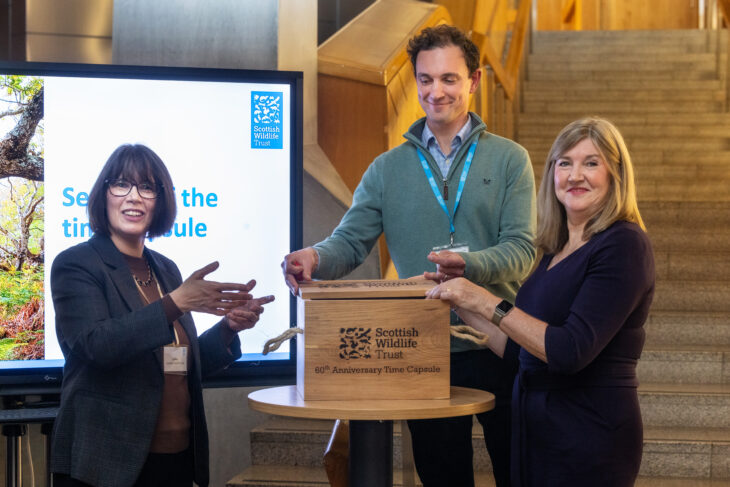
239	34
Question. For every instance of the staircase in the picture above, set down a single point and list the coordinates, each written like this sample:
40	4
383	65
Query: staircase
663	91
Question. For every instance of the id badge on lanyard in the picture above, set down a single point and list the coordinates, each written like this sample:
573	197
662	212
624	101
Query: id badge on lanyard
455	247
175	357
452	246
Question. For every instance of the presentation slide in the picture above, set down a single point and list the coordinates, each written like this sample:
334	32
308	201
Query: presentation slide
226	146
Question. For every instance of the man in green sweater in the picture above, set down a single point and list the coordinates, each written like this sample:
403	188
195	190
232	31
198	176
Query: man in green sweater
453	200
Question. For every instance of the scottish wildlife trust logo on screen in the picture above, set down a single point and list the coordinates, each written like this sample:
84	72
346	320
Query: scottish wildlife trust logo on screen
266	120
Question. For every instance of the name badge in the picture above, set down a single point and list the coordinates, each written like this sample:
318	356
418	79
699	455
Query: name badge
455	247
175	359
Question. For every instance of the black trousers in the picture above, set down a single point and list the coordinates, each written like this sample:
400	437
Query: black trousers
159	470
442	448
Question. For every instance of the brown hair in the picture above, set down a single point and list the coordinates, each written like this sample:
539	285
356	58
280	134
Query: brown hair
620	204
135	162
441	36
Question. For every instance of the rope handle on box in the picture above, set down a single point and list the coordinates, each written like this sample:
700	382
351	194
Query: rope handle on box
463	332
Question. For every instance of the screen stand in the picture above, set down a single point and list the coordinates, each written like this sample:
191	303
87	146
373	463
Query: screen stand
13	465
15	416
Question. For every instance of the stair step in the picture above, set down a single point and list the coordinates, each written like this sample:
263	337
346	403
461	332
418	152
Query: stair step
647	119
603	95
690	239
681	266
578	85
687	215
580	107
688	295
679	482
588	45
687	328
290	441
631	132
568	65
685	405
681	364
701	453
298	476
642	59
626	39
663	448
626	74
660	461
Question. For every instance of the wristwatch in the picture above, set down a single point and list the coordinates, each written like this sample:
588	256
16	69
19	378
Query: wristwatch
502	309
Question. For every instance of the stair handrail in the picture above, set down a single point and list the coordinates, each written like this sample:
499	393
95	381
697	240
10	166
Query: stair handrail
507	74
570	14
724	7
725	10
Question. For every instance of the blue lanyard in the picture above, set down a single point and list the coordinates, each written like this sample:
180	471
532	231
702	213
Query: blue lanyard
437	193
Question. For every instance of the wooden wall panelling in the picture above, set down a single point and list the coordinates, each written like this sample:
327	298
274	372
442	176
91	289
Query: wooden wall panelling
462	12
623	14
350	124
649	14
549	14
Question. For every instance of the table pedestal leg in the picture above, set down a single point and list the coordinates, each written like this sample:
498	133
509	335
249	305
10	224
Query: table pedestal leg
371	453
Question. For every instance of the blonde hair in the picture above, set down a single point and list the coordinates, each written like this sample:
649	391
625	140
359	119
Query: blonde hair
620	204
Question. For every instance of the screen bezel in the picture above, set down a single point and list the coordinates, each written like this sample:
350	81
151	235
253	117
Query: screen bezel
44	380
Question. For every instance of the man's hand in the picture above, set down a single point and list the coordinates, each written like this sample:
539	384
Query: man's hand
449	265
298	266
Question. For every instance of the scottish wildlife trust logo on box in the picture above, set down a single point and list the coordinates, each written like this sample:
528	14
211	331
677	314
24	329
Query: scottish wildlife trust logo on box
354	343
266	120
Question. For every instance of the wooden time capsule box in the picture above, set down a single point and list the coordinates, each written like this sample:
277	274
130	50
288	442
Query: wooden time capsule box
372	339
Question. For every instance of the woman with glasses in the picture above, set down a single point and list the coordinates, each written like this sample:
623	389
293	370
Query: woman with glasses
131	402
577	323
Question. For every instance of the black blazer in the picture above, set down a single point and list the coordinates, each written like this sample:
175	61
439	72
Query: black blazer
113	377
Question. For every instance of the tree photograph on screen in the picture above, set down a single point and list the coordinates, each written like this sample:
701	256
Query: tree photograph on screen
21	218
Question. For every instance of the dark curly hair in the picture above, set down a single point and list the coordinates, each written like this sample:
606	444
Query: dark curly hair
441	36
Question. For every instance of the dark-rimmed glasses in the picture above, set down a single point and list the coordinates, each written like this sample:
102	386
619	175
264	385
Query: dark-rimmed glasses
122	187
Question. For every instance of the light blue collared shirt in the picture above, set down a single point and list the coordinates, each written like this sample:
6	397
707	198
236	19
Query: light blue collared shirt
444	160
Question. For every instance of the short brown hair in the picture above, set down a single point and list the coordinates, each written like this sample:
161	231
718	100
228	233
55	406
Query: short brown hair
134	162
620	204
441	36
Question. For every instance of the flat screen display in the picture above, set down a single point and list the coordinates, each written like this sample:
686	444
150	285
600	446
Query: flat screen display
231	140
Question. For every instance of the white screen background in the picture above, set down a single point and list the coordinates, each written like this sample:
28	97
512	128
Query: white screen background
201	130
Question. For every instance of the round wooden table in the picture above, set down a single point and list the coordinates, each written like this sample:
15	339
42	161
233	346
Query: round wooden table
371	422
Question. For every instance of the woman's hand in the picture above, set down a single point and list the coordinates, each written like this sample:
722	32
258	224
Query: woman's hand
216	298
472	304
464	295
247	315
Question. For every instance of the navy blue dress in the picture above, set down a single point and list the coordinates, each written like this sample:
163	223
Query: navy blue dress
576	418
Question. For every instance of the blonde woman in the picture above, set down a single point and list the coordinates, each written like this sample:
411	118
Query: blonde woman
578	318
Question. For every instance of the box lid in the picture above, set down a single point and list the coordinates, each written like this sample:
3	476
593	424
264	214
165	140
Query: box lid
369	288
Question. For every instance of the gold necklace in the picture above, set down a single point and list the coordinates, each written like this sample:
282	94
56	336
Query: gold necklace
149	276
